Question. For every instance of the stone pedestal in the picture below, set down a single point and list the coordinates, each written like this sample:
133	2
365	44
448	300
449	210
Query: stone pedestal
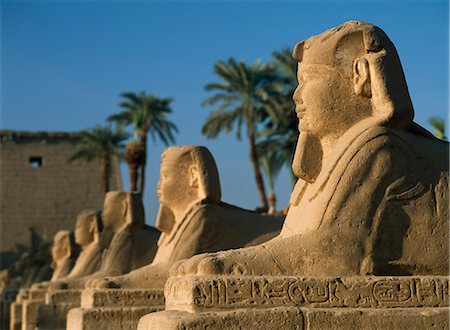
114	308
245	302
52	314
30	307
15	322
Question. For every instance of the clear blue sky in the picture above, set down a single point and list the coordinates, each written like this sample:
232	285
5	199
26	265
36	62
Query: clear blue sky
64	64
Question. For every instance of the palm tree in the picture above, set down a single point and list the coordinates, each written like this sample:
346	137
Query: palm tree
240	96
134	153
147	114
271	163
281	131
287	66
103	143
439	127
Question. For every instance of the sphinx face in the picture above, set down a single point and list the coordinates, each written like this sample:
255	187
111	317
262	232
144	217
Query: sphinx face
174	188
113	212
323	100
83	233
59	247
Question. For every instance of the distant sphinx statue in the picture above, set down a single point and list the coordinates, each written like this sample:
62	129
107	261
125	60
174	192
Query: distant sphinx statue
87	235
192	218
64	254
128	243
372	194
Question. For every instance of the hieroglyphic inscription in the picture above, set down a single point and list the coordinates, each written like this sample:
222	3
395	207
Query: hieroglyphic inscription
353	292
123	297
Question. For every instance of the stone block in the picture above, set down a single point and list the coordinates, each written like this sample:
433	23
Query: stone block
30	311
276	318
53	316
15	322
106	318
37	294
383	318
205	293
72	296
301	318
121	298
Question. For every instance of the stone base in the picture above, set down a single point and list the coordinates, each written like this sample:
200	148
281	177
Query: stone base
30	310
48	310
300	318
287	302
15	321
121	298
54	316
114	308
206	293
106	318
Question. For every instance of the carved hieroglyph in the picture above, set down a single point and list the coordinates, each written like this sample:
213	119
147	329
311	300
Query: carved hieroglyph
372	194
230	292
192	218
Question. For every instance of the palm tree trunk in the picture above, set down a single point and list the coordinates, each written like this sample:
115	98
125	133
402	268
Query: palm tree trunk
254	159
272	202
132	171
144	160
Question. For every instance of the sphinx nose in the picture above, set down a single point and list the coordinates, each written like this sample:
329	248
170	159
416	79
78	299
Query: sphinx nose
296	96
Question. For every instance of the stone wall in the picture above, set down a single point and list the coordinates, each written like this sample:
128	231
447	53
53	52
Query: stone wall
39	188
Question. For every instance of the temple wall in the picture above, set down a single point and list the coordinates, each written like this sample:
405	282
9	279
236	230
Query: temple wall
39	188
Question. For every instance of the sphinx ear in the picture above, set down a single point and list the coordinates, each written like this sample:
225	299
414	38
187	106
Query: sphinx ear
361	77
193	176
92	224
126	210
67	246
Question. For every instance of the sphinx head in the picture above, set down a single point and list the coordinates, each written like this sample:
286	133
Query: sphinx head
188	175
122	208
63	246
88	227
349	74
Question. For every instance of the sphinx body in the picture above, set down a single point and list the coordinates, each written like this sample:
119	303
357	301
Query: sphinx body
126	241
87	236
202	224
64	254
372	194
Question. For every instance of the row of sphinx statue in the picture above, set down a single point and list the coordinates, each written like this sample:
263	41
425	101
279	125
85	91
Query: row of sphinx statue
367	224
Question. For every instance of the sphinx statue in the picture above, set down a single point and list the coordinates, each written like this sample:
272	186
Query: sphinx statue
192	218
64	254
372	190
87	235
127	242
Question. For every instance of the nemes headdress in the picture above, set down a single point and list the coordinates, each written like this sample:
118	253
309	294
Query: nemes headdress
341	46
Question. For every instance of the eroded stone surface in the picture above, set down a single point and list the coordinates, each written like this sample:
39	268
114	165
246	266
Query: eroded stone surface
192	218
300	318
204	293
276	318
372	194
121	298
371	199
63	296
87	235
64	254
105	318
